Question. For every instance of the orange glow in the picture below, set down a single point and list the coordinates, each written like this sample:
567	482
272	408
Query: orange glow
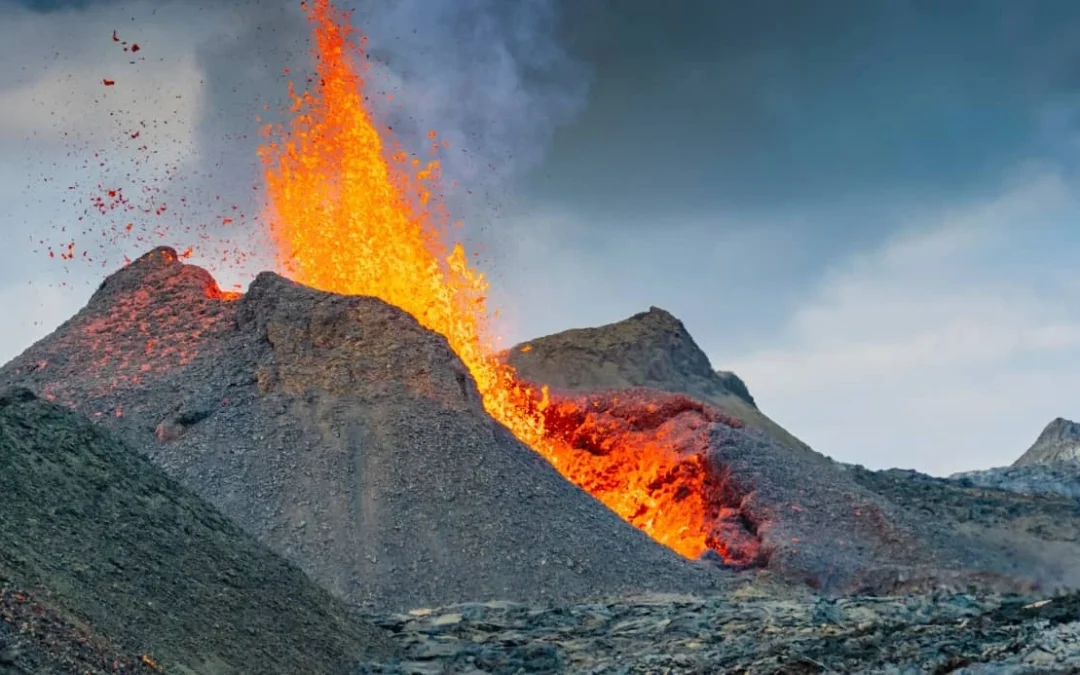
350	215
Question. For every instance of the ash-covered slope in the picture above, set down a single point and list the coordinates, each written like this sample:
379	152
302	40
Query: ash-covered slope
92	534
341	433
652	349
1059	441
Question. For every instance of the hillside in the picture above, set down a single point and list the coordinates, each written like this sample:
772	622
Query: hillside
114	548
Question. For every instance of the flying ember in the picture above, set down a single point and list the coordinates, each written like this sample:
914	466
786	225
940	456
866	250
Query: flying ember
350	215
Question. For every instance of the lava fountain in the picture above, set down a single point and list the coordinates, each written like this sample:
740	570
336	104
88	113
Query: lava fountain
350	215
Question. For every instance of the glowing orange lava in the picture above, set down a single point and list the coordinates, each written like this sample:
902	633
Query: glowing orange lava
350	216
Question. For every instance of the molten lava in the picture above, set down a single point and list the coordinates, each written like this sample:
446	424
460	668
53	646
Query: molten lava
348	215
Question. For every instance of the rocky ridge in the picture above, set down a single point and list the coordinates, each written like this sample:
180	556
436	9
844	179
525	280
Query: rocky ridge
1050	466
1061	478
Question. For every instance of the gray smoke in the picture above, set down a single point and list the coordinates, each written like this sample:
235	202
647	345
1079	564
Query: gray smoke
490	77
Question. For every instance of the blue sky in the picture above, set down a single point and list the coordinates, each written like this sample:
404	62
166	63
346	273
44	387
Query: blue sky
866	209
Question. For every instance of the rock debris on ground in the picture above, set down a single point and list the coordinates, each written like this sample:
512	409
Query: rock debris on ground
934	633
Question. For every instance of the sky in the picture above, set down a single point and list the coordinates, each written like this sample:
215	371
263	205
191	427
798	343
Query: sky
868	210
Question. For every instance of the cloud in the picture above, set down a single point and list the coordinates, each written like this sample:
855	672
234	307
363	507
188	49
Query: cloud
58	98
947	348
553	270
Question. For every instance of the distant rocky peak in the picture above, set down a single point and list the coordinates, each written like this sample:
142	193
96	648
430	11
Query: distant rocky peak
1060	429
1059	441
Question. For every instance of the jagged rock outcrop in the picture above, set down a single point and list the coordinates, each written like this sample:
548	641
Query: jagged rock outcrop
652	349
1059	441
93	534
342	434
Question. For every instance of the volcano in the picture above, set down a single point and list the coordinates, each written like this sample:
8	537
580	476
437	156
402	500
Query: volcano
356	417
342	434
355	443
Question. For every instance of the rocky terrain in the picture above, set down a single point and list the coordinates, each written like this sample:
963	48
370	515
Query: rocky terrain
755	631
1050	466
841	529
1060	478
342	436
108	565
353	442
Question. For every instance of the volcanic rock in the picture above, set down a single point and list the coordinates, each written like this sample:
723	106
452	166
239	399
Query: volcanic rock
1050	466
106	561
751	632
1059	441
1034	535
342	434
652	349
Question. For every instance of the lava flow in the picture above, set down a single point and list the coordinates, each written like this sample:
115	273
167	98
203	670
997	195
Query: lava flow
349	216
